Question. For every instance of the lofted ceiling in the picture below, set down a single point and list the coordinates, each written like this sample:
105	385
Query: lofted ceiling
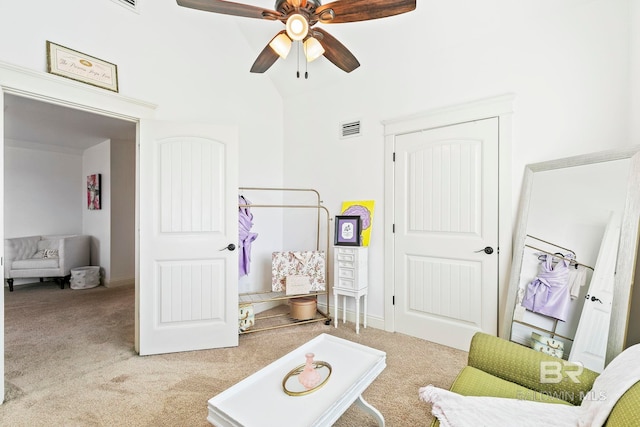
66	129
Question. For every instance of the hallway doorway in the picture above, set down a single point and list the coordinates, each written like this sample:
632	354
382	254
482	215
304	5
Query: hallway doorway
48	152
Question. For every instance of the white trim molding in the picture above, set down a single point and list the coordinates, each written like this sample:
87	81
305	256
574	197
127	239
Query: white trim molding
24	82
16	80
501	107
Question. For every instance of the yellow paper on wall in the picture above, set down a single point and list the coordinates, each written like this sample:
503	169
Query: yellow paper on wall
364	209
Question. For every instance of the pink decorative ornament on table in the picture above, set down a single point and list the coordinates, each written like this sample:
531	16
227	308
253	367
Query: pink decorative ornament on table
309	377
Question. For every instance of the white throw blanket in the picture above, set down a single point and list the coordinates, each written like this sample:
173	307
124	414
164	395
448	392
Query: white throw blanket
455	410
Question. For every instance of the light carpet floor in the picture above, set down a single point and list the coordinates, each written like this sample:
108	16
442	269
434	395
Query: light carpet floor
69	361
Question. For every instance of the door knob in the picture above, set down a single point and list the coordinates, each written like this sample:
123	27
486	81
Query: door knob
488	250
230	247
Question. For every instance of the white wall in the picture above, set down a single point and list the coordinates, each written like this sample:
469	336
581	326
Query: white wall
633	336
567	63
123	196
193	65
41	191
45	193
97	223
634	69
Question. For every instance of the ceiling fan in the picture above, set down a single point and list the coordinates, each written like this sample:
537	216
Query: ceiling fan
299	17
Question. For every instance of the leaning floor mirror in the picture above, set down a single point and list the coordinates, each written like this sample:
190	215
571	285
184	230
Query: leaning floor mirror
574	256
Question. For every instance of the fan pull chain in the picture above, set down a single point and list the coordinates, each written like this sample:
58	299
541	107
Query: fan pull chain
298	60
306	63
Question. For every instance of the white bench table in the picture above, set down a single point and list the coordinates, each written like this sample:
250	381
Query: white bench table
260	401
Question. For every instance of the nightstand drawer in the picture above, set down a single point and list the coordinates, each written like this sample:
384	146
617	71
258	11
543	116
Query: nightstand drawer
346	257
347	273
346	264
350	268
346	283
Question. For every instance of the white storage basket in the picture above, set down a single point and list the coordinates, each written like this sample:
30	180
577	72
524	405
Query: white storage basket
85	277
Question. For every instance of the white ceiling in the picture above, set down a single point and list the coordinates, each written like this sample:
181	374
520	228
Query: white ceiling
63	128
29	121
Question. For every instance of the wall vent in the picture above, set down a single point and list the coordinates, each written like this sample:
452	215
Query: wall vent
129	4
350	129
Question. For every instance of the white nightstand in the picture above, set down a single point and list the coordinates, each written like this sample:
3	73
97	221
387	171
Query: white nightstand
351	279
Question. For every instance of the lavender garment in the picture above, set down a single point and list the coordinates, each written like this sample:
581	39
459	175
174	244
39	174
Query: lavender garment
246	237
548	293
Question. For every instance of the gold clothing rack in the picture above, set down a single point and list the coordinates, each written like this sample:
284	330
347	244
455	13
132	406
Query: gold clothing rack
549	243
270	296
573	260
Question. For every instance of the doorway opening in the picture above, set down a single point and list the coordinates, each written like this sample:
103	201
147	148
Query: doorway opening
49	150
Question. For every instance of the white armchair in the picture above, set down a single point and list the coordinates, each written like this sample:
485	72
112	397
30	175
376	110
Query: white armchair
45	256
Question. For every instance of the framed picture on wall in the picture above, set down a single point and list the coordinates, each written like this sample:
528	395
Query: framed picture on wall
348	230
93	192
81	67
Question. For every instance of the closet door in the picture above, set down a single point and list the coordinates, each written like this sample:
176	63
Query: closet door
446	232
188	211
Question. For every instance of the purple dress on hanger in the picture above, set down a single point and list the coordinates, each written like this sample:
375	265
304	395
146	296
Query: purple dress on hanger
549	292
246	237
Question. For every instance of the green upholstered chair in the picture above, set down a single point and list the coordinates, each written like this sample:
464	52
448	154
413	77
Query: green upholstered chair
500	368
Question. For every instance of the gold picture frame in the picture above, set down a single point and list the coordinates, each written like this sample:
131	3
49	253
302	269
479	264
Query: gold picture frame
81	67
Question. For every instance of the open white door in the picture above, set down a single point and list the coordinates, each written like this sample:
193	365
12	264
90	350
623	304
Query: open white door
2	250
590	343
187	294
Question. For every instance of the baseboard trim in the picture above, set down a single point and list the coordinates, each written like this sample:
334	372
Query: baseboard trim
119	282
337	315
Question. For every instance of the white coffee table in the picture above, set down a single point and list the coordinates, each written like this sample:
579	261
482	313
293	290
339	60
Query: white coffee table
260	401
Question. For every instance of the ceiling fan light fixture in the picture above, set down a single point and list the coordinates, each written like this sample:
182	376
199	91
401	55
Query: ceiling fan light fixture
281	44
313	49
297	27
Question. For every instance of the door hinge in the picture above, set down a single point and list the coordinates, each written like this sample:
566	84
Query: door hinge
393	300
394	156
393	228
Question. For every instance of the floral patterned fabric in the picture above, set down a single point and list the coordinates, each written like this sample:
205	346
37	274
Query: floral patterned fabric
303	263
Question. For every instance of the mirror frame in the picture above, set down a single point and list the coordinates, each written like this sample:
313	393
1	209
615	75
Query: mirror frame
628	246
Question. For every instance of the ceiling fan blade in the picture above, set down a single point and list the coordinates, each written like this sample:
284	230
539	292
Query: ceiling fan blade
336	52
362	10
265	60
231	8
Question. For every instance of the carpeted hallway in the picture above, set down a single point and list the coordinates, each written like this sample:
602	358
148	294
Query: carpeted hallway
69	361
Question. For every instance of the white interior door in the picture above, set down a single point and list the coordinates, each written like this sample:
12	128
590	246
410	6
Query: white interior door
2	250
590	342
188	213
446	214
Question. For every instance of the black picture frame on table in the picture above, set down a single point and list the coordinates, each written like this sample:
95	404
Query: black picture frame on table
348	230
